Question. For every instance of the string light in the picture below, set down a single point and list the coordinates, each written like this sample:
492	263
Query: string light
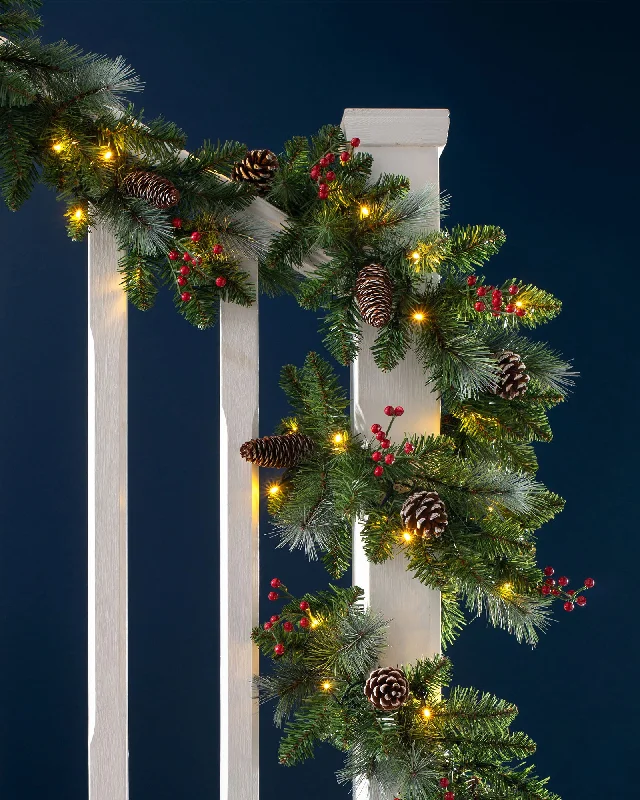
506	587
293	426
315	622
406	536
107	155
339	441
273	489
519	303
364	211
415	256
418	316
78	214
57	147
490	509
426	713
326	686
338	438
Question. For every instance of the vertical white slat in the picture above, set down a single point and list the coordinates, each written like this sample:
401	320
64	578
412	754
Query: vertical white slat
107	523
406	142
239	554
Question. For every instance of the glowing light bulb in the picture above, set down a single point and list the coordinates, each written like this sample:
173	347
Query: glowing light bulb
338	438
107	155
426	713
406	536
293	427
78	214
519	303
314	622
415	256
418	316
506	587
326	686
490	508
57	147
274	489
364	211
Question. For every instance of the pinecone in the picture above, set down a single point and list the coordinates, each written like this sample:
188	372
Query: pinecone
425	513
387	688
155	189
257	167
512	378
277	451
374	293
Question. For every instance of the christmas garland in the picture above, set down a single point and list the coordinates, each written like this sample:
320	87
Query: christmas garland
464	506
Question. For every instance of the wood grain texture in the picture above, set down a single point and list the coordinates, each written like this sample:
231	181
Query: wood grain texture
239	551
107	523
408	142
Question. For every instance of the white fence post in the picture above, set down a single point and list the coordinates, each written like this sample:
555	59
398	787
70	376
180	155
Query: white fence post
406	142
239	552
107	523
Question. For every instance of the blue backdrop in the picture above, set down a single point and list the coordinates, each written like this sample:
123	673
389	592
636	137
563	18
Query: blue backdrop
542	141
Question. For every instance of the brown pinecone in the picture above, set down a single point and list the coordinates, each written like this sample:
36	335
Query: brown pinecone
425	513
374	293
155	189
387	688
277	451
258	168
512	378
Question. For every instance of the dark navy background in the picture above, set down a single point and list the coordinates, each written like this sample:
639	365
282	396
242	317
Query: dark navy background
542	142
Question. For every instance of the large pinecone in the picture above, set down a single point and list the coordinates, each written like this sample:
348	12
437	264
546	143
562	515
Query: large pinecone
277	451
425	513
512	378
155	189
258	167
387	688
374	293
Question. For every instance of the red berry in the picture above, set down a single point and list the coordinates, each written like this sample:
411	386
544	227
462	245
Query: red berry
185	269
288	626
182	281
324	161
276	583
581	601
185	297
196	236
509	308
304	605
520	312
174	255
275	618
513	289
492	287
550	582
545	589
568	606
385	444
176	222
378	471
555	592
481	291
381	436
472	280
267	626
330	157
571	592
330	176
496	293
375	428
273	595
449	795
217	249
408	447
444	782
304	622
479	306
389	411
589	583
563	580
315	173
198	261
344	157
398	411
323	191
495	313
376	456
548	570
278	649
221	281
389	458
355	142
496	302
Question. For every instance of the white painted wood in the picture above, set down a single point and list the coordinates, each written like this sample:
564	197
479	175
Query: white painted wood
107	523
239	552
407	142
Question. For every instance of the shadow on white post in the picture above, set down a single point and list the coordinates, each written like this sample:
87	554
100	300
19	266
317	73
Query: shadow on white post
107	523
405	142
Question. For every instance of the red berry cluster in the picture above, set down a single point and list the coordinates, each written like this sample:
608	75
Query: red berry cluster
571	597
187	258
498	306
382	437
323	173
448	795
287	625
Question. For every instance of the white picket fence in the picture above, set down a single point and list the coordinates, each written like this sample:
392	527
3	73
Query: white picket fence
404	141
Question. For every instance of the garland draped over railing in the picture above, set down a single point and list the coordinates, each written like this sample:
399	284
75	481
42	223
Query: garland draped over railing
463	506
